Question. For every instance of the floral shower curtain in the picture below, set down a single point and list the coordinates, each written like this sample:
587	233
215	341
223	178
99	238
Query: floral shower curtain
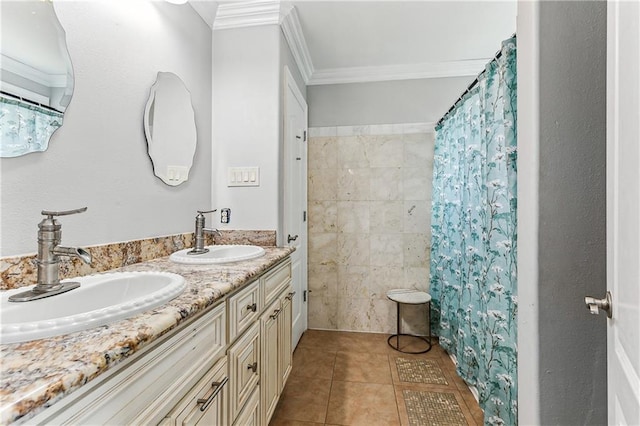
25	128
473	244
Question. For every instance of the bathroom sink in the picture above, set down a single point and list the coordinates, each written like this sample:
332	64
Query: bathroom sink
101	299
218	254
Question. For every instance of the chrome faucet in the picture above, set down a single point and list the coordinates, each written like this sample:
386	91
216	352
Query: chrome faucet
48	260
198	247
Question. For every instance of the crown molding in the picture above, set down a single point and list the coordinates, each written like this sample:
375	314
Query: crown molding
292	31
247	14
274	12
397	72
26	71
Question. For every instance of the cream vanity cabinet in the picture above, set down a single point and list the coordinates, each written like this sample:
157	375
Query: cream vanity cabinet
275	327
173	375
260	357
227	366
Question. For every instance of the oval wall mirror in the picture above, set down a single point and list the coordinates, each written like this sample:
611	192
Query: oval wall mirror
36	76
170	129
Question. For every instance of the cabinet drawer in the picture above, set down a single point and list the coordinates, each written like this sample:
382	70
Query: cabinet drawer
244	308
244	368
275	281
250	414
206	404
144	389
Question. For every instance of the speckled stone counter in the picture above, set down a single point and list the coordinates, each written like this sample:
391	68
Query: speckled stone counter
36	374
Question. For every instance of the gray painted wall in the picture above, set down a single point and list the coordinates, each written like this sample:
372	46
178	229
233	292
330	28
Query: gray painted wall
99	156
572	222
248	76
385	102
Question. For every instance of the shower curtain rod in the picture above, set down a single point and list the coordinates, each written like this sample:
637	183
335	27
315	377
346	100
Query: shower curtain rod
20	98
471	86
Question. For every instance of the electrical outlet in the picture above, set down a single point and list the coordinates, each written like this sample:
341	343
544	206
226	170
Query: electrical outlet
225	215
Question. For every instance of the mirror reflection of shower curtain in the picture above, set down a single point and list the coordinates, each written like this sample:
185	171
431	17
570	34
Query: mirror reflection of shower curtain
474	233
25	127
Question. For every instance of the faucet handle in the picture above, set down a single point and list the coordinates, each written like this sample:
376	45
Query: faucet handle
63	213
206	211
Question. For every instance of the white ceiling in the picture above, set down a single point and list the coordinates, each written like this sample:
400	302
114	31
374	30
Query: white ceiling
345	34
349	41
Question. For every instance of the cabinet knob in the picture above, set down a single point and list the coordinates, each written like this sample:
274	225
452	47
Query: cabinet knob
253	367
217	388
252	307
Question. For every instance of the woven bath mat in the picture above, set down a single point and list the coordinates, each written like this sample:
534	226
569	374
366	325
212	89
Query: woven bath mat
433	409
420	371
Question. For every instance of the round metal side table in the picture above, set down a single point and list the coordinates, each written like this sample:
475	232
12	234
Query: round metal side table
410	297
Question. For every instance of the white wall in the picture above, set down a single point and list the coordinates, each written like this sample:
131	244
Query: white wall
247	127
385	102
99	157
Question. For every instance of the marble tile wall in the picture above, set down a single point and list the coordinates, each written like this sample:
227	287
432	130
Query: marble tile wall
369	224
20	271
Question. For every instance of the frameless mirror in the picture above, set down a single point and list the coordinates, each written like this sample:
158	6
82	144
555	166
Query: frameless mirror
170	128
36	76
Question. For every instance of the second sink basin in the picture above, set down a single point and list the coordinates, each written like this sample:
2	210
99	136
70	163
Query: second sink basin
101	299
218	254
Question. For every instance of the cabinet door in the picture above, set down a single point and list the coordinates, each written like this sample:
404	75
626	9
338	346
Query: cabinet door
269	377
285	350
206	404
244	368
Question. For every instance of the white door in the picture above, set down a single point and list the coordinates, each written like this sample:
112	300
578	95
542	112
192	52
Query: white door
623	211
295	198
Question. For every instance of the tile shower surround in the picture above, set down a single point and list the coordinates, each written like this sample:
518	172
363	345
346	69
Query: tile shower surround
20	271
369	224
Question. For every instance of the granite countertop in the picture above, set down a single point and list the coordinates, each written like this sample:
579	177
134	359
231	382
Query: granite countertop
36	374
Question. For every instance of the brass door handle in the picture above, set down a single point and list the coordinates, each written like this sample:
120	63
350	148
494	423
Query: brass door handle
290	295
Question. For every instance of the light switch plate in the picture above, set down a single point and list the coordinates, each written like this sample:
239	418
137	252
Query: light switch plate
243	176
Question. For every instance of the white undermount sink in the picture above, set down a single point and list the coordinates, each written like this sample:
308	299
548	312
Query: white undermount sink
101	299
218	254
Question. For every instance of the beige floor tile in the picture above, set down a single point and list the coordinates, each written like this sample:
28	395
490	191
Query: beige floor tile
362	367
313	362
411	344
303	399
348	378
325	340
285	422
353	403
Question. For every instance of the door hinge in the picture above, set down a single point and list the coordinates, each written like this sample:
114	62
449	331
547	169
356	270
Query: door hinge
304	296
305	135
304	216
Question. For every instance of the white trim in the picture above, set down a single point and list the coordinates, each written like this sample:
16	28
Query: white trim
294	35
398	72
33	74
372	129
247	14
273	12
529	375
24	93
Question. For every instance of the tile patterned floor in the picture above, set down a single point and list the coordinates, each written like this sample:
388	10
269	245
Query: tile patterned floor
343	378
